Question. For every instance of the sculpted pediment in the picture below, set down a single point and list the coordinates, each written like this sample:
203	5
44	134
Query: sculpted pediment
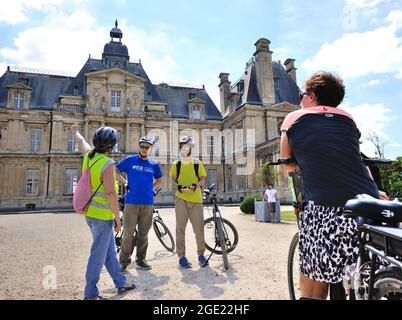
107	73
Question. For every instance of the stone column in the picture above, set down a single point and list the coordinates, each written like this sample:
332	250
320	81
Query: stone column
127	136
86	130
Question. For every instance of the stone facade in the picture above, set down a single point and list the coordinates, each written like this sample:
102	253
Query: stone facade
40	163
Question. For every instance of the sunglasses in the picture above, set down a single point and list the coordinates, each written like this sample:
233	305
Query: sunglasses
146	147
302	94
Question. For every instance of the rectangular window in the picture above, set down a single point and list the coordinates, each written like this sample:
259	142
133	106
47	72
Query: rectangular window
242	178
239	137
70	181
210	145
230	179
116	99
116	148
196	112
32	182
35	137
72	146
18	100
155	147
211	177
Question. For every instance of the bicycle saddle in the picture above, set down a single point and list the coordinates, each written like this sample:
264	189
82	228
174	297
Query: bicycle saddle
366	206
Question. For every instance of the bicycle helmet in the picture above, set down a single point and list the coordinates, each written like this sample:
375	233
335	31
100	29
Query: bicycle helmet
105	138
187	140
146	139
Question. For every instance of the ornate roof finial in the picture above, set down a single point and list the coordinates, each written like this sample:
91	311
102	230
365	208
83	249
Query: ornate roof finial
116	23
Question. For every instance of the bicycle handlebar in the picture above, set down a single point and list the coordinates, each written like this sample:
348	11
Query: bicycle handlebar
283	161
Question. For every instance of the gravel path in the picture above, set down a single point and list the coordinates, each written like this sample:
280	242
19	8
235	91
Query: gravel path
34	247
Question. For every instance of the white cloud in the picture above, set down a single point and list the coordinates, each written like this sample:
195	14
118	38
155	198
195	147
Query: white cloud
394	145
364	3
370	118
63	42
373	83
14	12
358	54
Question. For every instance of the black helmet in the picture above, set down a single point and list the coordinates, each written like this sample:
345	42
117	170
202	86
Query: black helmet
187	140
105	138
146	139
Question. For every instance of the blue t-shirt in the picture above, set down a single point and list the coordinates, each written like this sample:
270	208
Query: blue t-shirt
140	176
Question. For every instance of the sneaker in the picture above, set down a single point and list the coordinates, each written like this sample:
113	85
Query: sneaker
202	261
126	288
143	265
183	262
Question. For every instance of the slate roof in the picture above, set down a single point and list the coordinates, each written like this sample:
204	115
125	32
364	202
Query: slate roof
177	101
93	65
287	91
45	88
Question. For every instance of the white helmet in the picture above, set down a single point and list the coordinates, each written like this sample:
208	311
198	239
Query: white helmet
187	140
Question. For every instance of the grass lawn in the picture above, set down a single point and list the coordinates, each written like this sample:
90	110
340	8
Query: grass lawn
288	216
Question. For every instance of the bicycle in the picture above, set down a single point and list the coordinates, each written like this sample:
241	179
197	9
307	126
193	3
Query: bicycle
161	230
221	236
377	274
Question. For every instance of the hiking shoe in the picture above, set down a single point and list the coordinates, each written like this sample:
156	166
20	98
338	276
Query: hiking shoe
96	298
143	265
183	262
202	261
126	288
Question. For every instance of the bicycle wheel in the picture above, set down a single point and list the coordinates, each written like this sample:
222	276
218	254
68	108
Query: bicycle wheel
229	230
221	239
164	235
293	268
388	284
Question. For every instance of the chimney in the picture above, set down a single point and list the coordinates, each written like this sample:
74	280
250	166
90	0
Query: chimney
224	90
290	68
263	64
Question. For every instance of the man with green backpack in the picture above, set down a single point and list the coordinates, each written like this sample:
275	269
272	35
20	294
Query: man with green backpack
189	175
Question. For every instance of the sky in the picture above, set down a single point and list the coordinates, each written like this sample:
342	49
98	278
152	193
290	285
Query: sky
189	41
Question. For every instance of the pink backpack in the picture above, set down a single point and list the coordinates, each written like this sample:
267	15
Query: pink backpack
83	195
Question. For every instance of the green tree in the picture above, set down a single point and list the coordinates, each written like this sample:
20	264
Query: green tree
266	174
391	176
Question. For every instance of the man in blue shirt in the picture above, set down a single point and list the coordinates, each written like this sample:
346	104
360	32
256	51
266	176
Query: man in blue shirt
144	175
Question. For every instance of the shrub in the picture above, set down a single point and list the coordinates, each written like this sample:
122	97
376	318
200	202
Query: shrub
247	206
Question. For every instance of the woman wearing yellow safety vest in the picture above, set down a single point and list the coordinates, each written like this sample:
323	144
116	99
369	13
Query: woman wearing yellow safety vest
103	211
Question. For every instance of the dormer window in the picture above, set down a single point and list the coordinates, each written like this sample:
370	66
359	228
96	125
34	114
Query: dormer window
276	83
76	91
240	87
18	100
197	112
193	95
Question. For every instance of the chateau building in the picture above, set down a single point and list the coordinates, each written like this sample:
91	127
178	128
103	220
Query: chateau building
39	160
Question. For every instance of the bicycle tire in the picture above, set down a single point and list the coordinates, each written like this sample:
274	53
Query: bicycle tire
222	241
388	284
293	253
228	225
162	235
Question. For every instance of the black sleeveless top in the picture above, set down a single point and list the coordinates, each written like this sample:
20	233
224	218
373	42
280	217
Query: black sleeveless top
326	147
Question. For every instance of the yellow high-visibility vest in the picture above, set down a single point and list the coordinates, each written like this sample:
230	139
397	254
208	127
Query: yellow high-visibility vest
99	207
